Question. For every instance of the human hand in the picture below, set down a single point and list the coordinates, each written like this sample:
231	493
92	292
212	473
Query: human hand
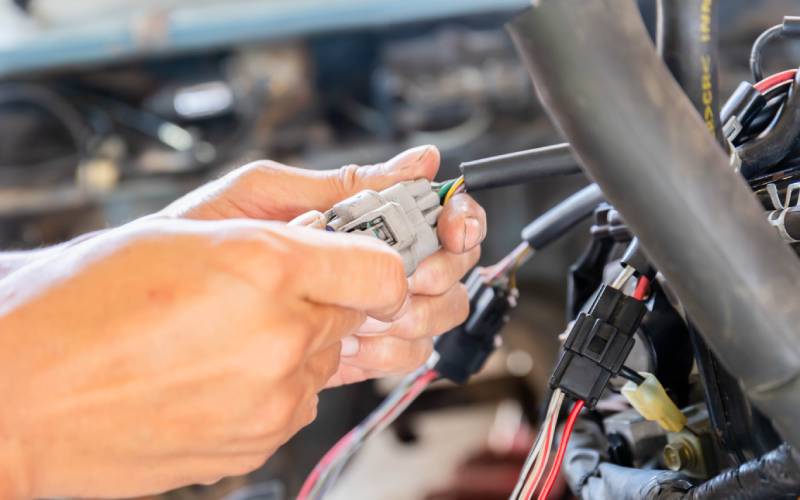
168	353
437	301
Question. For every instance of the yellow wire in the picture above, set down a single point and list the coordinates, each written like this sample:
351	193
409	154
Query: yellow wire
452	191
512	279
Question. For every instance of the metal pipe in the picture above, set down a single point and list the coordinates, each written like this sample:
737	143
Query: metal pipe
639	137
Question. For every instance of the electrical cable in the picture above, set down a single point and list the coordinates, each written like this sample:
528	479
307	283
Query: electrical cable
533	467
519	167
789	28
562	448
456	187
631	374
772	81
759	155
330	466
642	286
563	217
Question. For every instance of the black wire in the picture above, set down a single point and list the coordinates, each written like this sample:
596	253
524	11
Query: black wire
764	119
755	53
631	374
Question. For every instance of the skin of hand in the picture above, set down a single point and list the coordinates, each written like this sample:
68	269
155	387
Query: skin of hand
173	352
437	301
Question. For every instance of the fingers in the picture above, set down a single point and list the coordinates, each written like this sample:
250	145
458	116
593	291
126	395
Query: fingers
330	324
462	224
346	270
389	355
439	272
322	366
347	374
430	316
415	163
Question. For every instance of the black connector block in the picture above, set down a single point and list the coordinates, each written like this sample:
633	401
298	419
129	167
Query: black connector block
597	346
464	350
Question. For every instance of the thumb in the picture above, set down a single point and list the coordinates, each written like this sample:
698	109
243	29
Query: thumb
269	190
336	185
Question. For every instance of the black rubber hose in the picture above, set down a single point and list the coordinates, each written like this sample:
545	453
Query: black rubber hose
759	155
688	39
639	137
562	217
519	167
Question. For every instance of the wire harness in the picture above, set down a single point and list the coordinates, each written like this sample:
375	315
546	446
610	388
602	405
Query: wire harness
598	344
330	466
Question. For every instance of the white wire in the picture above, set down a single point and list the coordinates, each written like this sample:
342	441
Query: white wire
532	482
551	417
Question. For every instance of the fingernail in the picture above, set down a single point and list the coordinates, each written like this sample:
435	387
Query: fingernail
407	158
350	346
472	233
372	325
313	219
425	152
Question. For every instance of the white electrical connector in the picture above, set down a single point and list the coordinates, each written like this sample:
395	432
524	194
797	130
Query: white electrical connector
404	216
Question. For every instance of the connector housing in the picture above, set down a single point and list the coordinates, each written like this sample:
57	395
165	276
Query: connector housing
404	216
651	401
597	346
464	350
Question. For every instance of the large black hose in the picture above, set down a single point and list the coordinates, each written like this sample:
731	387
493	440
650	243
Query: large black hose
640	138
688	36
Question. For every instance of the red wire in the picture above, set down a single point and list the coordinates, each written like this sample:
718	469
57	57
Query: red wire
323	463
562	448
539	470
640	292
332	454
776	79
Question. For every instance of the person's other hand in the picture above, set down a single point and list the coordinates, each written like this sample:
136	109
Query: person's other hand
437	301
168	353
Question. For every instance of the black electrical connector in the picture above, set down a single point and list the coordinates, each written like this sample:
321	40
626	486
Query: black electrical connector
598	344
740	109
464	350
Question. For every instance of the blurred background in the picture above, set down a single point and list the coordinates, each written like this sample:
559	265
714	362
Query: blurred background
110	109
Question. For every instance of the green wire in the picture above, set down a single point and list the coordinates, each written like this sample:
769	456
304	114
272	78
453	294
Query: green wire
445	188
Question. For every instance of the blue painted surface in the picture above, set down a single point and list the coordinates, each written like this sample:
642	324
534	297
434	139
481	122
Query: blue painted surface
225	23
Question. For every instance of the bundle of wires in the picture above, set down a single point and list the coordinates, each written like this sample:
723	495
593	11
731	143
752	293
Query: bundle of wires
775	89
328	469
450	188
533	470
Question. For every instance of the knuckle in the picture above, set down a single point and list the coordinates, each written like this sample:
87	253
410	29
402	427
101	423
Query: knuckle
394	283
346	180
256	171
